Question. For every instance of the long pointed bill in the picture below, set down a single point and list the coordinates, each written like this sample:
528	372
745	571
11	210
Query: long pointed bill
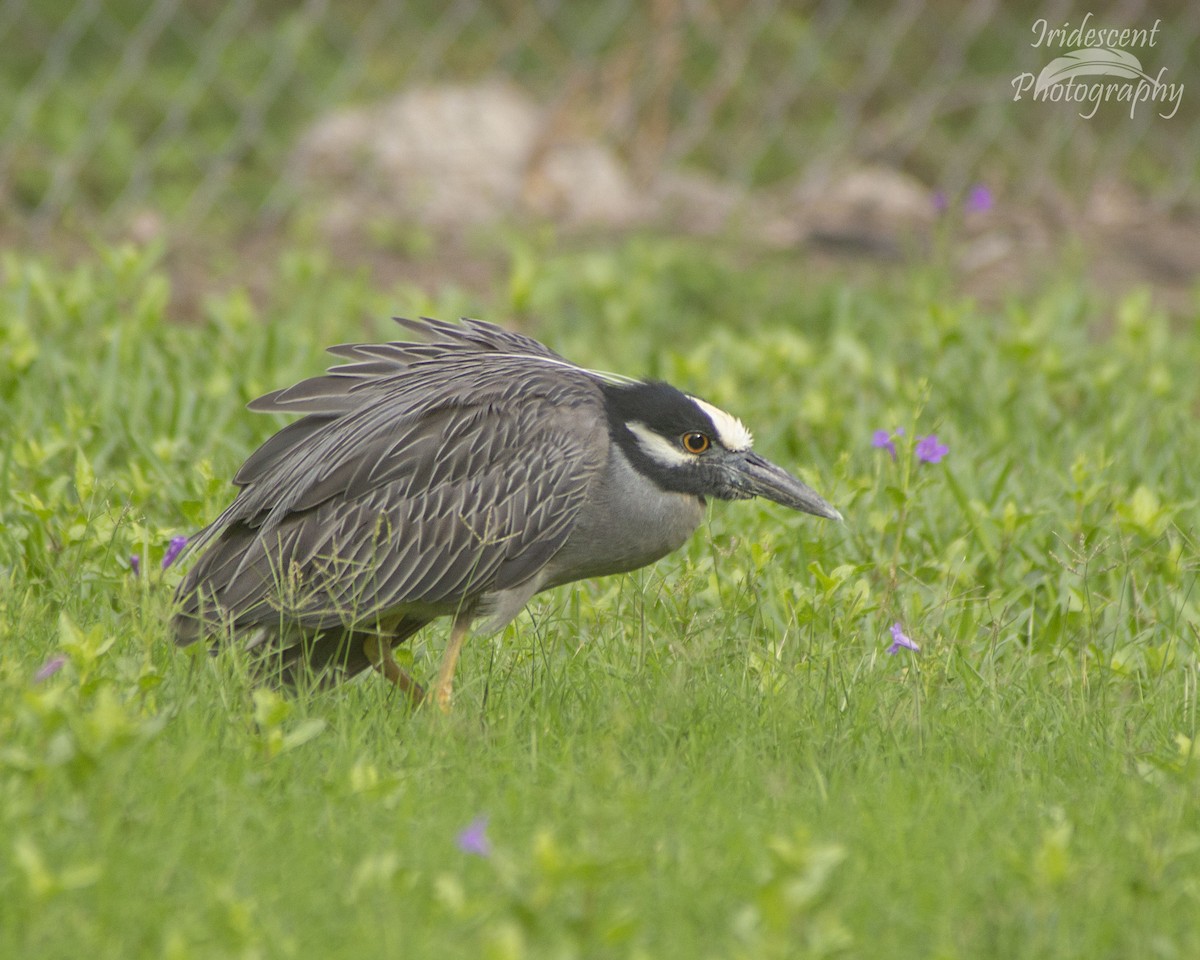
761	478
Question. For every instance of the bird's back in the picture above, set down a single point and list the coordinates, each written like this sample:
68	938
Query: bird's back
421	478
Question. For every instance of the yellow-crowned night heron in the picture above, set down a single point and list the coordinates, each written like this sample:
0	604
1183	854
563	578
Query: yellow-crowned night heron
453	477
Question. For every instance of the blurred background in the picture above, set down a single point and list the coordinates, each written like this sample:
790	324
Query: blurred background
411	138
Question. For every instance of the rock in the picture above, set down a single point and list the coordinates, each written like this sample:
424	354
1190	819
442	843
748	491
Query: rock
872	210
695	203
447	156
451	157
583	184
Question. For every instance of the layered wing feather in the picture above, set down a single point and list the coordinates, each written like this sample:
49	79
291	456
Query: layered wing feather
422	477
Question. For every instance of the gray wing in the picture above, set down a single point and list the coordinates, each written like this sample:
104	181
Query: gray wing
377	366
427	479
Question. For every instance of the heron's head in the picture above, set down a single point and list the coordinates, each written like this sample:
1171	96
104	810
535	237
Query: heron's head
686	445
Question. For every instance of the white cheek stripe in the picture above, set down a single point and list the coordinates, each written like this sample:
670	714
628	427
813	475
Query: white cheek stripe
731	432
658	448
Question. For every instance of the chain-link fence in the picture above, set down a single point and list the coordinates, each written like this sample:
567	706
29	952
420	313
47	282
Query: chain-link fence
190	112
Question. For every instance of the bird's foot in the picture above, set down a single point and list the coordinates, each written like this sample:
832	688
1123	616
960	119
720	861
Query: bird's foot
443	692
443	695
380	655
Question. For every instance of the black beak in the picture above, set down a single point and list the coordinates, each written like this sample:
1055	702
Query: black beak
757	477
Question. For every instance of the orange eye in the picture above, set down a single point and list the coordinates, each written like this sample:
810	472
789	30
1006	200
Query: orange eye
695	442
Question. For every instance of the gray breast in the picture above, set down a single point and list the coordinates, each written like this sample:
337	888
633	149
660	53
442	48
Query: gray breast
626	522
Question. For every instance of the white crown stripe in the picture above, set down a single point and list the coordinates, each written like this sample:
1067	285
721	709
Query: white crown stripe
731	432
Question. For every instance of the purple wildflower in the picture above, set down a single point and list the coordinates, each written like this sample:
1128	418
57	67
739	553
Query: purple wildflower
940	201
979	199
135	564
899	640
886	441
50	668
174	548
473	839
929	450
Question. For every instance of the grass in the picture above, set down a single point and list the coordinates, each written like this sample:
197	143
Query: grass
714	757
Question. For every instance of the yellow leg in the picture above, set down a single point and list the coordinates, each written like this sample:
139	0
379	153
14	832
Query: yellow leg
379	652
445	681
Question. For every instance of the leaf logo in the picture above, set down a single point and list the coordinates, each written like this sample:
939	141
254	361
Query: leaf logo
1090	61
